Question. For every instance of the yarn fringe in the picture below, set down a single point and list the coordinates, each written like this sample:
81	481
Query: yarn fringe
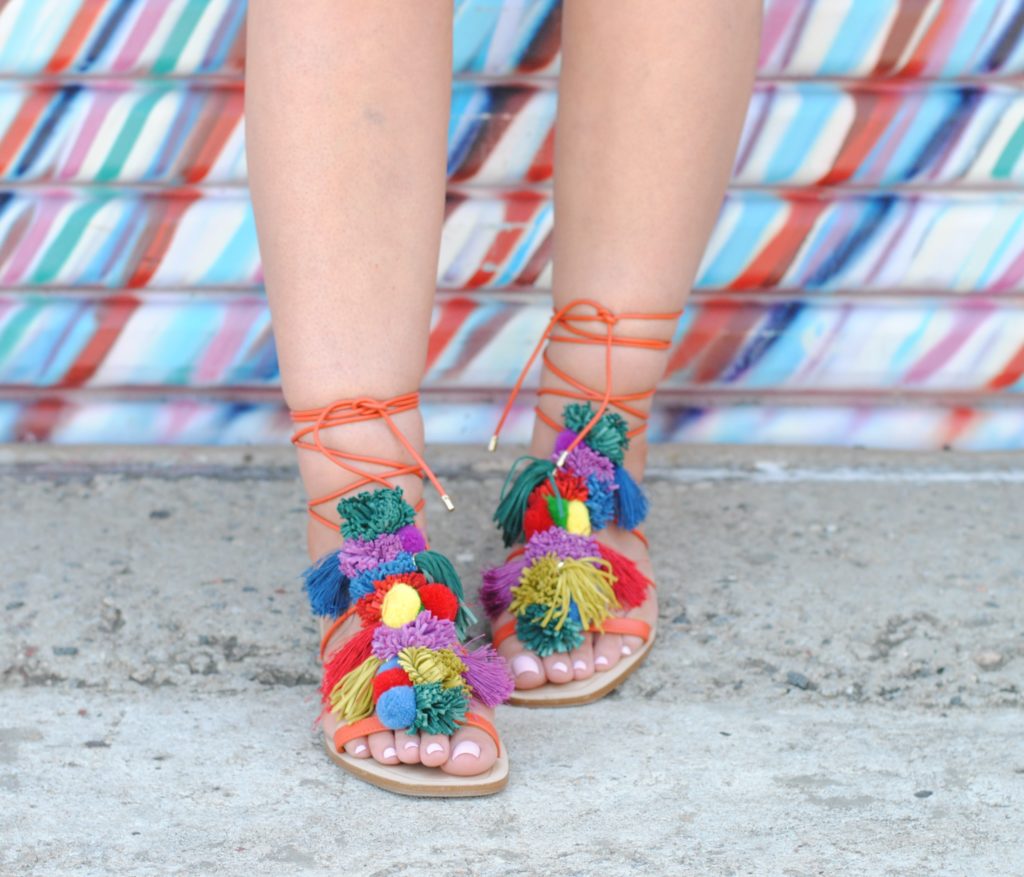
630	584
515	494
327	586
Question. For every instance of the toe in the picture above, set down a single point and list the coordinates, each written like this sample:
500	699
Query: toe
382	747
558	667
526	667
583	659
472	752
408	746
434	749
607	651
359	747
630	644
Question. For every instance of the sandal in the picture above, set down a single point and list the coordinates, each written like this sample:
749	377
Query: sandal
562	582
407	664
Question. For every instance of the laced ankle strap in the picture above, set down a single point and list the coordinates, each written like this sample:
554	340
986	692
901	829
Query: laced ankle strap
574	319
360	410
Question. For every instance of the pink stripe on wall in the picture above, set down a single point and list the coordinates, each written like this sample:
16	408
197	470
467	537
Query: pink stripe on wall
99	110
145	24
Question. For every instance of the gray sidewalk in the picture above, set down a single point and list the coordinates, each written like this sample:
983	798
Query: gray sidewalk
837	689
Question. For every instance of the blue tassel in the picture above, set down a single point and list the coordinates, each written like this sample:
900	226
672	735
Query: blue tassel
630	502
326	586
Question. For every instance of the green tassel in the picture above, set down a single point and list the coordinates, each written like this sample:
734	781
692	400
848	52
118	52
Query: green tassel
608	436
559	510
438	568
368	515
546	640
512	506
439	710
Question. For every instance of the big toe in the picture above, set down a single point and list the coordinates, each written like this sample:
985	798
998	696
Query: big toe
472	752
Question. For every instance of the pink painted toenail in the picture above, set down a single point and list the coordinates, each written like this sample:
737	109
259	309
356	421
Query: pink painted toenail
434	747
579	665
466	747
412	744
389	752
560	666
360	749
524	664
600	661
626	650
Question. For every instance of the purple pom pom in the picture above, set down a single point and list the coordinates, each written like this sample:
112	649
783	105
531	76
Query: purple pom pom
487	675
424	630
563	440
361	555
412	539
557	541
585	461
496	591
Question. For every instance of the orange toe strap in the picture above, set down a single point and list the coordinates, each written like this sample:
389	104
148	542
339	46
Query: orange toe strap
624	626
503	633
371	725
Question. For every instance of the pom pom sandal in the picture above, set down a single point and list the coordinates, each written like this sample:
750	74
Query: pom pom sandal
406	665
560	582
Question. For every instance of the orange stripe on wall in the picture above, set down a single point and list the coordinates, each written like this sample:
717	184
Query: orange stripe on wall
76	35
19	129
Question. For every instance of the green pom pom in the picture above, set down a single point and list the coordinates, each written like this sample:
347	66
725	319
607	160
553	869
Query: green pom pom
439	710
546	641
608	436
516	493
368	515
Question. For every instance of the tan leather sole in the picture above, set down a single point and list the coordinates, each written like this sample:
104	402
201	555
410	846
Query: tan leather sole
583	691
420	781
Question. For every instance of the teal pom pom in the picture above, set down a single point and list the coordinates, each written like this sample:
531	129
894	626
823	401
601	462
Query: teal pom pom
512	506
608	436
546	641
396	707
438	710
368	515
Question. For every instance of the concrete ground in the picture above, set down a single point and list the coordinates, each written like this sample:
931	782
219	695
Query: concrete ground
837	687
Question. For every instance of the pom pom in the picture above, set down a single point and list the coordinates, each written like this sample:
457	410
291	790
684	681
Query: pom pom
487	674
565	438
352	698
439	601
439	710
608	436
558	541
515	495
630	501
585	462
555	582
401	605
368	515
630	584
349	655
326	586
546	639
538	515
366	582
424	630
412	539
570	485
496	590
370	607
361	555
600	502
389	678
391	663
438	568
397	707
577	521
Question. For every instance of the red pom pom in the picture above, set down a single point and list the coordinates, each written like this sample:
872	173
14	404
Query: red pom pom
439	601
389	679
538	515
630	584
571	486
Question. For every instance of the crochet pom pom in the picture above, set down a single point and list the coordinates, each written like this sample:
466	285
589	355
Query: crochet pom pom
487	674
547	639
630	501
496	591
439	601
386	679
347	658
424	630
367	515
516	494
396	707
360	555
439	710
630	584
326	586
400	605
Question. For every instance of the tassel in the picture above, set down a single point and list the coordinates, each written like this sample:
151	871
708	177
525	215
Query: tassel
326	586
512	507
349	656
630	584
557	583
600	502
352	698
487	675
439	710
496	591
630	501
546	640
438	568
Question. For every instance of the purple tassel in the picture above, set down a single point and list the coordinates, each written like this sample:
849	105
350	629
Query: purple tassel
496	591
487	675
557	541
361	555
424	630
412	539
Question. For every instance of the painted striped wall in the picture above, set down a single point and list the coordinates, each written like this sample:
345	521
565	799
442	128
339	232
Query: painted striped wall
864	285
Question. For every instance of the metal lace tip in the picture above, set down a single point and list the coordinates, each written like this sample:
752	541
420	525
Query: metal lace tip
447	500
492	445
562	457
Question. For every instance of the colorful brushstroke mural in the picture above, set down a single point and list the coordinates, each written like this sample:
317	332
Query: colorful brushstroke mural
864	284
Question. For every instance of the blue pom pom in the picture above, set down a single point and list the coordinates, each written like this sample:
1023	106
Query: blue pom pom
362	584
389	665
327	586
396	707
630	502
574	612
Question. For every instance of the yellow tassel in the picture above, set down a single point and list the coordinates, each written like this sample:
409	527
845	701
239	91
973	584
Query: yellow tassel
577	520
556	582
428	665
352	697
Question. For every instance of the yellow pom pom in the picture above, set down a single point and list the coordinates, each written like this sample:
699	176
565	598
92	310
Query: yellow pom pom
400	605
577	519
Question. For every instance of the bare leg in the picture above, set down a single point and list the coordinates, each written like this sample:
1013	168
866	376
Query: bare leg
652	100
347	105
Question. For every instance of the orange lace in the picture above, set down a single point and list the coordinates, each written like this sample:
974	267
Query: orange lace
346	411
565	318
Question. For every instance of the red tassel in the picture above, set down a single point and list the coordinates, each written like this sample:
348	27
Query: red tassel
630	584
345	660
